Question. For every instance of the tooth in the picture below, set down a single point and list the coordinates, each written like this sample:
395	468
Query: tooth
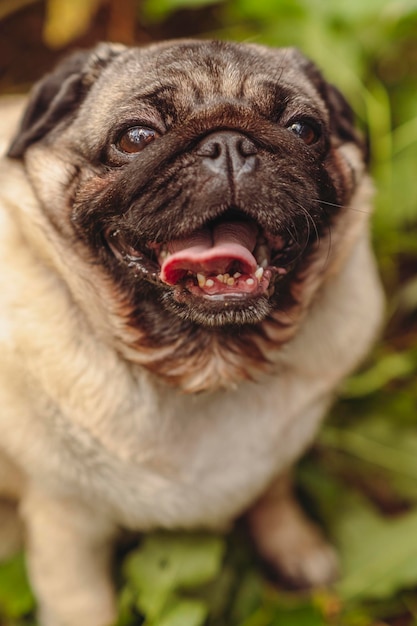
201	280
209	282
237	275
261	253
264	263
230	281
250	281
226	277
259	273
220	278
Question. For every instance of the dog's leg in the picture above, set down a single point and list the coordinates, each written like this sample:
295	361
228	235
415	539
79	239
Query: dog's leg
288	541
68	556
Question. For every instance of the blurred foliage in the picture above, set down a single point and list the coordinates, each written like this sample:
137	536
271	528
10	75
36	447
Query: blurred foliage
66	19
360	481
164	564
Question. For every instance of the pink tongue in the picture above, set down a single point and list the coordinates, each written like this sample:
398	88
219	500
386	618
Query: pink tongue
212	252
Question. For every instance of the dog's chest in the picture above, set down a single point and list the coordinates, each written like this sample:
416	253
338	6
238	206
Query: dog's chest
176	460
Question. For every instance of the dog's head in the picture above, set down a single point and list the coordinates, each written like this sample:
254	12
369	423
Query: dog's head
207	186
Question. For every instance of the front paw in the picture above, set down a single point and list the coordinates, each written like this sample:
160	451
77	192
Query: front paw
306	566
291	544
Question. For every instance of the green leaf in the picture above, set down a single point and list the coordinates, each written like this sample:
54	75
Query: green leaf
157	11
389	367
165	563
278	614
184	613
307	615
378	442
16	598
249	595
379	555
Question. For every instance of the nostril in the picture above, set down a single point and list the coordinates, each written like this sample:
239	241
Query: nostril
228	151
246	147
216	145
215	149
209	148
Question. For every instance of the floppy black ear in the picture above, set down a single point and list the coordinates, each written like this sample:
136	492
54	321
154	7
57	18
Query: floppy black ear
56	95
342	118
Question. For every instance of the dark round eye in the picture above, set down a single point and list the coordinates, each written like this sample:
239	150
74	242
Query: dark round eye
136	139
305	131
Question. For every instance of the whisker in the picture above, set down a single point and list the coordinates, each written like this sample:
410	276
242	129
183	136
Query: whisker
329	234
329	247
333	204
351	208
310	221
294	234
341	206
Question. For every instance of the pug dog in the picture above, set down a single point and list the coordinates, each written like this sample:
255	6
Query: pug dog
186	279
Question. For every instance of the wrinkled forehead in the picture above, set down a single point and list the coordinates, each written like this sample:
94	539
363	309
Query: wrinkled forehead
179	78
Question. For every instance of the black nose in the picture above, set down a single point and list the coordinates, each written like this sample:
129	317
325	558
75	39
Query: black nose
228	152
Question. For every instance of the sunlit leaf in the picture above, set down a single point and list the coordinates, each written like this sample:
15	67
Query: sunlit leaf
184	613
165	563
390	367
67	19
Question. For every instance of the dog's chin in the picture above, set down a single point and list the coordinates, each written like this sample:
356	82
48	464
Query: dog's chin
214	311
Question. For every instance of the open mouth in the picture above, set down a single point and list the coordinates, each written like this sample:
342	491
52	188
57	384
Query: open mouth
229	259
